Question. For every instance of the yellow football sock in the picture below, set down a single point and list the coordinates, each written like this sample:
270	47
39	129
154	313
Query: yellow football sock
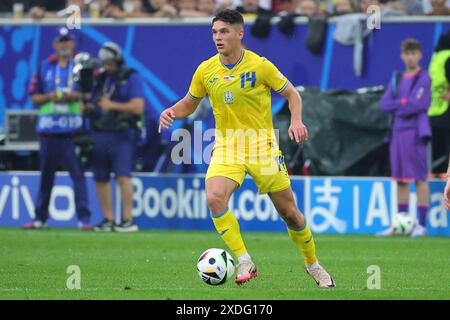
304	240
228	227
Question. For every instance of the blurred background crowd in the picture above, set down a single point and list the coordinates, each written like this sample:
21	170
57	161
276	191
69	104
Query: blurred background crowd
120	9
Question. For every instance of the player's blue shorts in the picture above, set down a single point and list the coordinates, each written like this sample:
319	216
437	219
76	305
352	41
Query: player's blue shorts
113	153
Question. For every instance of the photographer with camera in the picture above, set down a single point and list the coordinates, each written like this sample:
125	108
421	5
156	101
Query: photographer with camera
116	106
59	121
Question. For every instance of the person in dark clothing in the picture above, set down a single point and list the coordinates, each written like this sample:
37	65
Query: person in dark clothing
55	92
252	8
54	5
118	102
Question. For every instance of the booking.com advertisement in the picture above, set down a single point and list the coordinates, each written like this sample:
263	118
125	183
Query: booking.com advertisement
331	205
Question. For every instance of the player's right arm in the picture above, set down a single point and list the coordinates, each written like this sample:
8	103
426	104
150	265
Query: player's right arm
179	110
188	104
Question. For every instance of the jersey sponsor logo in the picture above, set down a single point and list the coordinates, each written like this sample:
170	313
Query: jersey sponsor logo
212	81
228	95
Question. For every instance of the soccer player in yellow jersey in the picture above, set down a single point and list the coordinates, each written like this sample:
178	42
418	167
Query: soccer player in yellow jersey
238	83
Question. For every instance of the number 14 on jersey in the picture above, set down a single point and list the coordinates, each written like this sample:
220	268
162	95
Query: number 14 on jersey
248	77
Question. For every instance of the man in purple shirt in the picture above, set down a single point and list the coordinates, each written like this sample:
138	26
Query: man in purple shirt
407	99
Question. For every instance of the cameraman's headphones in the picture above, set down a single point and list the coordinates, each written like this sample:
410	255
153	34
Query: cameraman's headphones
111	51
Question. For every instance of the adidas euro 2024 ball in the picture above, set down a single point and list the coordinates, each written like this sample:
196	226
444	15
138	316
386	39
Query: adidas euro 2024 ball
215	266
403	223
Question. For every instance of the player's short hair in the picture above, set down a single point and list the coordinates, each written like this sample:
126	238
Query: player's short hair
411	44
229	16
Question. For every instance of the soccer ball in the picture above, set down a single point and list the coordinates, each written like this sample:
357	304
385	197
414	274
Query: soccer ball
403	223
215	266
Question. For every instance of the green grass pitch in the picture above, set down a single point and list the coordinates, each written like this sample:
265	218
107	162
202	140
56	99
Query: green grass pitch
162	265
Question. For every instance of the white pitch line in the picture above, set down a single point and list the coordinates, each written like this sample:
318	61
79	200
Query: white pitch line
276	237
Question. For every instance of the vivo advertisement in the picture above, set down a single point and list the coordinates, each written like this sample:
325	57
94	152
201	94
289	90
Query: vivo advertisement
331	205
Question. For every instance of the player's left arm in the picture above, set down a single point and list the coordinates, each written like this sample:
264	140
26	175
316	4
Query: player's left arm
297	130
274	79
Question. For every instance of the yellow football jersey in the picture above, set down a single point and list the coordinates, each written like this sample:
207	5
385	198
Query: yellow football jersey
240	98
